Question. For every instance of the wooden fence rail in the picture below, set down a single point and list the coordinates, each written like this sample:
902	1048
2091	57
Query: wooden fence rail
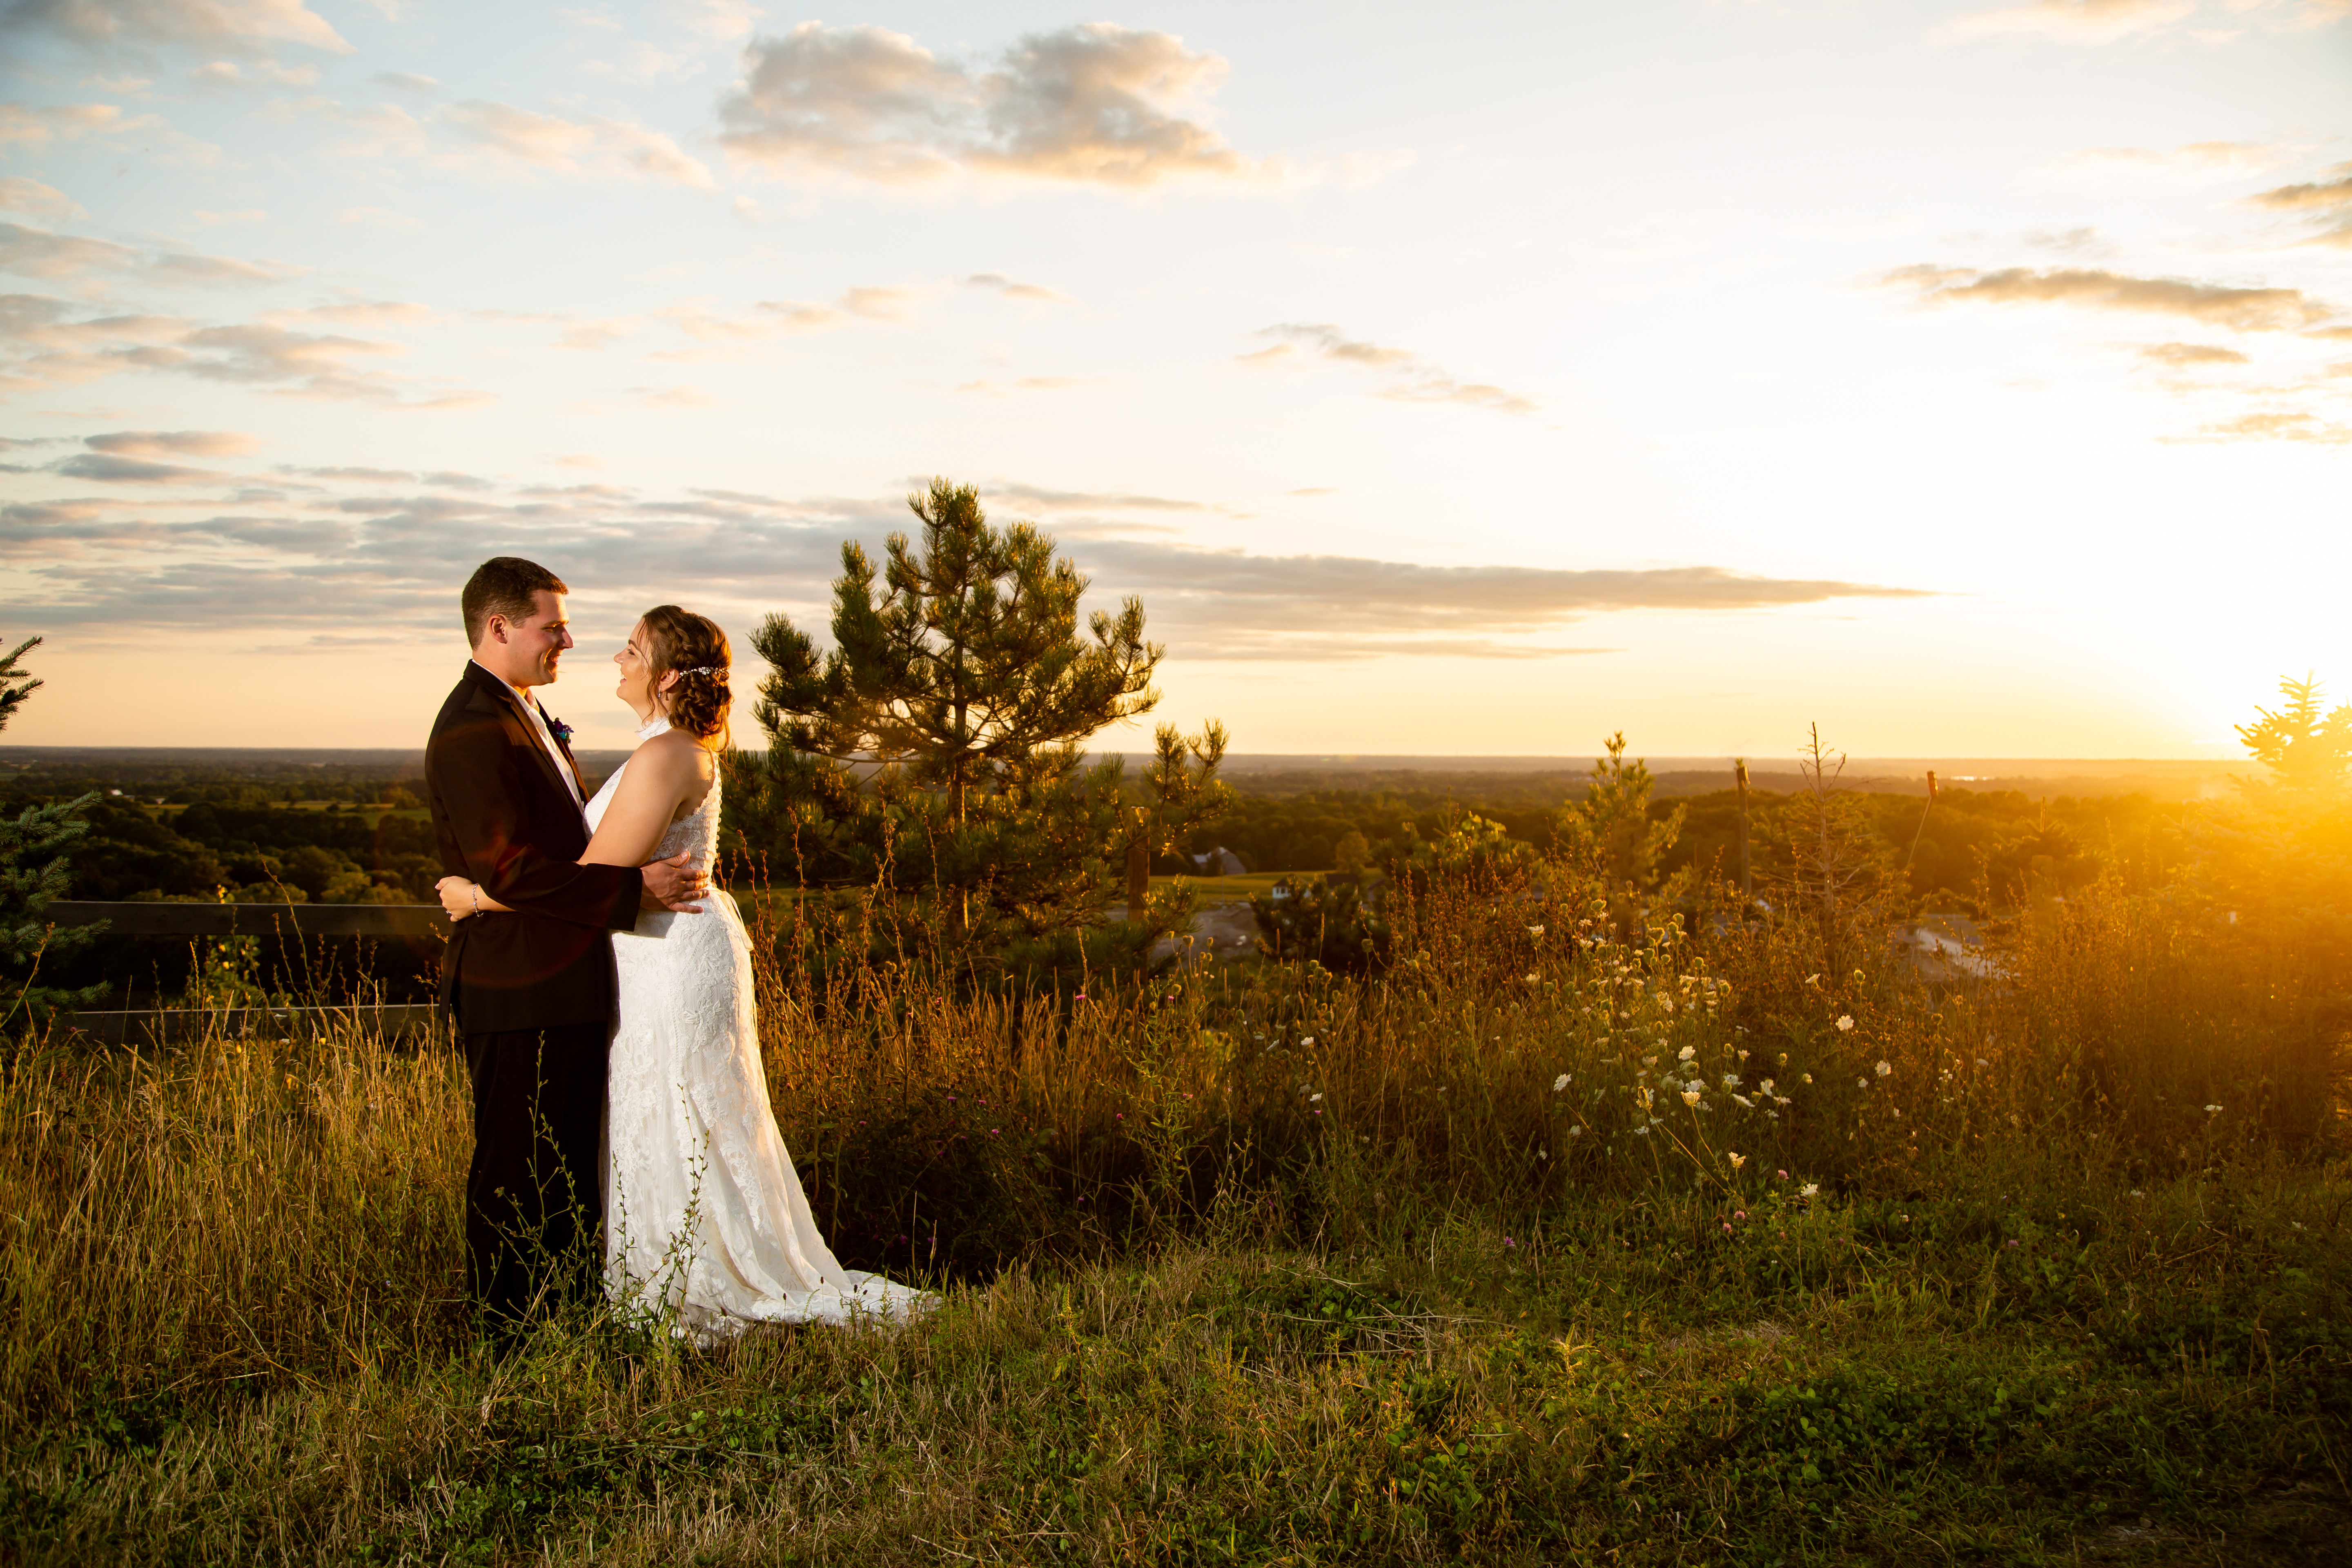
165	1024
254	920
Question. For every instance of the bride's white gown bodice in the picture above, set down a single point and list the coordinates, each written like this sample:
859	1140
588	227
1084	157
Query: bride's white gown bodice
704	1215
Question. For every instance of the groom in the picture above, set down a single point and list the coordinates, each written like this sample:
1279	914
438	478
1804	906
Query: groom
532	992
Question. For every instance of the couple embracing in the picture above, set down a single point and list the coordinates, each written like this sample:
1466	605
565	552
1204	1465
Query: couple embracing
622	1138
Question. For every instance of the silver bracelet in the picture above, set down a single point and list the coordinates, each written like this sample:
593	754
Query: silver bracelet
478	897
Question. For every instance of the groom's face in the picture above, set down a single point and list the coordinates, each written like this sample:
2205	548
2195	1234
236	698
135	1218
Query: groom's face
535	643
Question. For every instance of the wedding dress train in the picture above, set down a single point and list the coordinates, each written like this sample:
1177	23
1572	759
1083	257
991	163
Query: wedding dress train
704	1215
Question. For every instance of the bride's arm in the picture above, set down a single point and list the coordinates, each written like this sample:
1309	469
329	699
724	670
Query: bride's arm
663	774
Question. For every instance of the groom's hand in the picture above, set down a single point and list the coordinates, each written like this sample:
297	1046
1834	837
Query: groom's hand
674	885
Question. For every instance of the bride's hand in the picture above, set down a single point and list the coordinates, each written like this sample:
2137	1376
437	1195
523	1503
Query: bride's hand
456	896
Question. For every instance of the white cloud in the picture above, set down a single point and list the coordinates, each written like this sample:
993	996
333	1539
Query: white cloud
34	199
589	147
268	73
34	127
1405	377
173	443
2075	21
46	341
2324	203
237	27
2245	308
1093	104
1033	292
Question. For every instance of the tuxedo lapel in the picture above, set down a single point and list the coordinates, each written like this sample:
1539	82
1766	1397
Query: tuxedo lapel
569	760
517	726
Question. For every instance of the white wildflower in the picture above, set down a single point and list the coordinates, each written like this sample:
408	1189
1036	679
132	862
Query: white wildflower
1744	1101
1810	1190
1576	1133
1845	1023
1766	1086
1314	1099
1531	980
2212	1110
1737	1159
1534	930
1884	1070
1686	1053
1690	1097
1731	1080
1559	1083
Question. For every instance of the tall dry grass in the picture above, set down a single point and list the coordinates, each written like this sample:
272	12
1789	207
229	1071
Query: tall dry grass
279	1212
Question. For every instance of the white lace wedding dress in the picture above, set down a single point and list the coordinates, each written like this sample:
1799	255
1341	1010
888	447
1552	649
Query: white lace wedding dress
704	1215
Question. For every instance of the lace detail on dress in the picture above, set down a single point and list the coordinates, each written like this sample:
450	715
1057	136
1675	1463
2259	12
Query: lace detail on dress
705	1217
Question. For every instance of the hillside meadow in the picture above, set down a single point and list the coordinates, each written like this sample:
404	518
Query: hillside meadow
1724	1236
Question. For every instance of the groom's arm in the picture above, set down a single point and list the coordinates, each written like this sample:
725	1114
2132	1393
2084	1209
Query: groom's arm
474	783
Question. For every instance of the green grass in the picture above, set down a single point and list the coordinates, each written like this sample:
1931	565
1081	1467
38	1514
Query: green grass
2162	1378
1506	1255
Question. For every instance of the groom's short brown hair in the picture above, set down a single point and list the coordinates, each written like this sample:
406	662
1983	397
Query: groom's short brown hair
503	586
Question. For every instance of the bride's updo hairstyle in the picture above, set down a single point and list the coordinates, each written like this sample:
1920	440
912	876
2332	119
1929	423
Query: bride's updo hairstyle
694	648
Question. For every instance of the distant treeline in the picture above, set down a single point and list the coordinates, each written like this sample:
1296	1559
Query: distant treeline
2001	838
351	829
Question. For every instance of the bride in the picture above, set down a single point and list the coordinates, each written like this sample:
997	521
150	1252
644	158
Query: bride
704	1215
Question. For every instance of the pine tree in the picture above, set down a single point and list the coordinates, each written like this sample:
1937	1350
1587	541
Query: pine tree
1610	828
2302	744
937	749
34	872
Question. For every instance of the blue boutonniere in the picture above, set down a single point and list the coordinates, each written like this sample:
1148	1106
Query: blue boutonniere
560	730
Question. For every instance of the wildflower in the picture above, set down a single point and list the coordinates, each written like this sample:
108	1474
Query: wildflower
1314	1099
1884	1070
1690	1097
1696	1086
1861	1083
1649	1061
1686	1053
1845	1023
1746	1103
1810	1190
1308	1041
1982	1063
1809	1078
1780	1175
1737	1161
1080	996
1766	1086
2212	1110
1559	1083
1531	980
1534	930
1731	1080
1576	1133
2138	1194
1812	980
1665	1004
1739	1213
1509	1242
1641	1132
1726	1227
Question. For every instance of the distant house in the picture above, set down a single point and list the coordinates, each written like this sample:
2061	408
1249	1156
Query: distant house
1218	862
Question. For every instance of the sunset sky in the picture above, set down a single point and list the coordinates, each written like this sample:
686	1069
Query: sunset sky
1973	379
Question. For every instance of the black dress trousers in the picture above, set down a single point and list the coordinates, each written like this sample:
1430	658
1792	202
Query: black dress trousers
534	1200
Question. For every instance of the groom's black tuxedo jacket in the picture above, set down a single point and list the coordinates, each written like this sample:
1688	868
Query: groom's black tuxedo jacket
504	817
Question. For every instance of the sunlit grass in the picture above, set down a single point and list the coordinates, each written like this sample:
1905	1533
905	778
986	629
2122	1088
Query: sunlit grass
1261	1264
